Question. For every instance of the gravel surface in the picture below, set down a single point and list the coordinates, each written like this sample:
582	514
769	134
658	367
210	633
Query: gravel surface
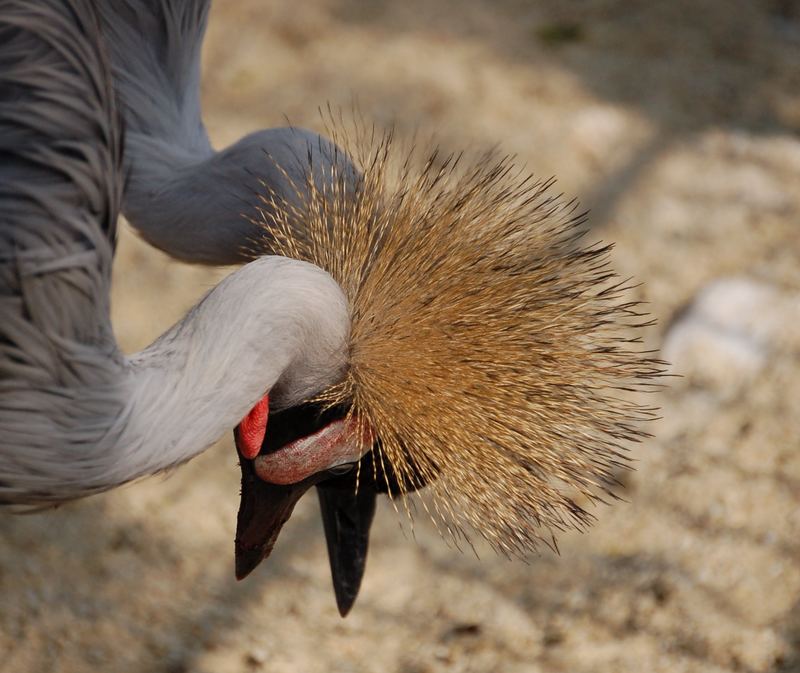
679	125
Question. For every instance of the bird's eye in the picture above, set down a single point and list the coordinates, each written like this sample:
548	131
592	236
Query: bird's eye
339	470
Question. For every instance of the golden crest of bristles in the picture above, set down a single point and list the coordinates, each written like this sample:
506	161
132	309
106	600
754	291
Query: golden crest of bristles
492	354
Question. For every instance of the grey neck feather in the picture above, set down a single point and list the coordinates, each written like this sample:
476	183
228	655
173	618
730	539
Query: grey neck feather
275	325
198	207
181	195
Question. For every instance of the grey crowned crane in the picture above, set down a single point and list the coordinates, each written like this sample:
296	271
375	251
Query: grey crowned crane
397	324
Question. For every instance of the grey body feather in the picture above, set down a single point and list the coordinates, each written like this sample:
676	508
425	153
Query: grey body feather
183	196
76	415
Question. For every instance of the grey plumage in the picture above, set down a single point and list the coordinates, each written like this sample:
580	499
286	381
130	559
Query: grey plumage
487	345
60	190
183	196
76	415
197	204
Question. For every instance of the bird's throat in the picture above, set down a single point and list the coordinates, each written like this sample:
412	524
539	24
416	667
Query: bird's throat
338	443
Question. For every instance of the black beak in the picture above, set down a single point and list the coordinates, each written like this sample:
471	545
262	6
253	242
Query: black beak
263	509
347	516
348	508
347	503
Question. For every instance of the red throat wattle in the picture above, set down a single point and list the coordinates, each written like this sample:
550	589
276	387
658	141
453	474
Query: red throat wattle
339	442
253	428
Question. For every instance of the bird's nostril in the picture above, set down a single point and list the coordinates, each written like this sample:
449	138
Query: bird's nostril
339	470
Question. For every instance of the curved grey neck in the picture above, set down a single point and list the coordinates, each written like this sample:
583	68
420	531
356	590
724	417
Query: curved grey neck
275	326
196	204
183	197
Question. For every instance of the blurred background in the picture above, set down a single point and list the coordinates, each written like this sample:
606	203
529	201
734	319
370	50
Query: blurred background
678	124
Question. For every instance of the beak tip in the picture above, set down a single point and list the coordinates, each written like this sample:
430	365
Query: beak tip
344	603
246	562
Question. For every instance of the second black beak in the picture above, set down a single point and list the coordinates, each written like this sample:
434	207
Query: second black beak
347	516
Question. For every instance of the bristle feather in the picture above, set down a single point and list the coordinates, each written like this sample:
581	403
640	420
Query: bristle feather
486	341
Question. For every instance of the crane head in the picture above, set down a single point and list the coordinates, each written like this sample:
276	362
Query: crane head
310	445
305	445
492	356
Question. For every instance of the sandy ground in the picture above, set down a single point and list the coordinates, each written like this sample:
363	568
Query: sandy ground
678	124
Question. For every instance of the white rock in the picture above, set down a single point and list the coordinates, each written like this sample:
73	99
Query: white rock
725	336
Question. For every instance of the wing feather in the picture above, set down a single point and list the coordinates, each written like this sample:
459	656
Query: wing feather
60	192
